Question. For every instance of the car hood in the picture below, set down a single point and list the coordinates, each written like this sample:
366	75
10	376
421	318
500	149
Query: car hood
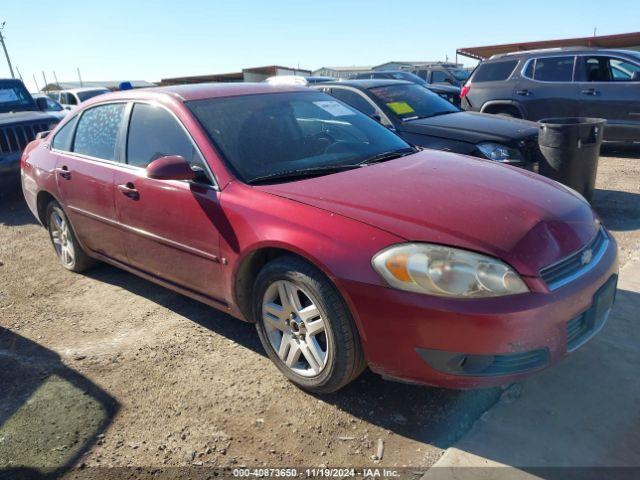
473	127
522	218
12	118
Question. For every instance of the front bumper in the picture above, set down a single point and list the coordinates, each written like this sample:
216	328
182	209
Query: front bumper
423	339
9	170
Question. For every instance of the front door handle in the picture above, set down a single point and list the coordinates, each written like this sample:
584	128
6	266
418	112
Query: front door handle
524	92
590	91
64	172
129	190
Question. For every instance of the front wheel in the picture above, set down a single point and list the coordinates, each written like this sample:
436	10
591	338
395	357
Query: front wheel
305	326
69	252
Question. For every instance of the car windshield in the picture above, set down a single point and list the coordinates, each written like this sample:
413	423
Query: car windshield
460	74
411	101
277	135
14	96
86	95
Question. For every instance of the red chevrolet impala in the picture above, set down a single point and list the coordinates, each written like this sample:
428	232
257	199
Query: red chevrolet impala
346	246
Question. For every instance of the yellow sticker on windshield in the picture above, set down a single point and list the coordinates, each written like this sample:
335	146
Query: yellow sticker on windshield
401	108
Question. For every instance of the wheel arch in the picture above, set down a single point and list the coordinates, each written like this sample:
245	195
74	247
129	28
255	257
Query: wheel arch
250	263
43	198
495	106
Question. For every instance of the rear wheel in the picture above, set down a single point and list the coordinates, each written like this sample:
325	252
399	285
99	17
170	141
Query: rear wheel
69	252
305	326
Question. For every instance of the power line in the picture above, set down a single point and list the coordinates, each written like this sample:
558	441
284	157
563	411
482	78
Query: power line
4	47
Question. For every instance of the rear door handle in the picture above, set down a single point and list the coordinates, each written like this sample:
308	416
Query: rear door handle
590	91
64	172
524	92
129	190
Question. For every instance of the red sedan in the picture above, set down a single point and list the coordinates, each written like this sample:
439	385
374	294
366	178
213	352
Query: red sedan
347	247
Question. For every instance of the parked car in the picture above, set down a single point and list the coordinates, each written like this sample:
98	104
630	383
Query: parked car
562	82
448	92
423	118
297	80
71	98
20	121
48	104
444	74
285	207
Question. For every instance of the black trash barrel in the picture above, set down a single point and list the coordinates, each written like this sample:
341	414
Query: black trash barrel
570	150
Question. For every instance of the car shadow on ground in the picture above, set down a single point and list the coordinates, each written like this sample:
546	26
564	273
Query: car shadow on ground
13	209
620	211
621	150
50	415
431	415
578	420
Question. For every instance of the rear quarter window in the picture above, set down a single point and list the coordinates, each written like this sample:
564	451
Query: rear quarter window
62	140
494	71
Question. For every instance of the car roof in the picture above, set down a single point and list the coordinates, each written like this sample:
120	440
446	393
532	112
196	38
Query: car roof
561	51
198	91
86	89
367	83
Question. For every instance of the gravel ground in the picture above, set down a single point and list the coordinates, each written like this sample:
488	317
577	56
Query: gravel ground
106	369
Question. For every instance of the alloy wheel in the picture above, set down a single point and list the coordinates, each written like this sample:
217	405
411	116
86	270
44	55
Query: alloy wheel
295	328
61	237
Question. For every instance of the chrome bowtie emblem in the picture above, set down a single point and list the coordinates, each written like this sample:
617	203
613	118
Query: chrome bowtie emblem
586	257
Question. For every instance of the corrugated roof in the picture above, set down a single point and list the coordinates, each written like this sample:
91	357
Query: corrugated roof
622	40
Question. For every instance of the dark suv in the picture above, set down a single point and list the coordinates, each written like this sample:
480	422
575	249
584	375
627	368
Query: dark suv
444	74
567	82
21	119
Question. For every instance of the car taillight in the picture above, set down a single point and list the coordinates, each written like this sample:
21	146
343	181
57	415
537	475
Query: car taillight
464	90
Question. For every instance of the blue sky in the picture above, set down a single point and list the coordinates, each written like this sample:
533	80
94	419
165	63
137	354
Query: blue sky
149	40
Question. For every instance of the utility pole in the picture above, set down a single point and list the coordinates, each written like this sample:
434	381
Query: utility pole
36	82
79	77
45	82
4	47
19	74
56	78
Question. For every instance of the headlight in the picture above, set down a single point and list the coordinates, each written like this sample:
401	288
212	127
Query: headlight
446	271
500	153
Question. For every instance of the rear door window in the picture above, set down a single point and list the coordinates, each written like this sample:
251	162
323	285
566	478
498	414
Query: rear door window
551	69
439	77
97	132
494	71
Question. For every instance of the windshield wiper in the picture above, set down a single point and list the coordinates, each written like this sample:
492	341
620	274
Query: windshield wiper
390	155
307	172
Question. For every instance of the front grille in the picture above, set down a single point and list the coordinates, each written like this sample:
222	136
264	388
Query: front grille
576	329
584	326
563	272
15	137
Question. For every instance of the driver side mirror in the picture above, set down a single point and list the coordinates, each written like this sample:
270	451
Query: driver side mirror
41	102
171	167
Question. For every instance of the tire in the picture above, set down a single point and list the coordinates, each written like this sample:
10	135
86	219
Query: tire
325	360
64	241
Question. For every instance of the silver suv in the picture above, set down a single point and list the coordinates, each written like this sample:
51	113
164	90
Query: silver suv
562	82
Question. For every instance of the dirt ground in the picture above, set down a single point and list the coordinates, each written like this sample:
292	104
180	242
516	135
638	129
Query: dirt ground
106	369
